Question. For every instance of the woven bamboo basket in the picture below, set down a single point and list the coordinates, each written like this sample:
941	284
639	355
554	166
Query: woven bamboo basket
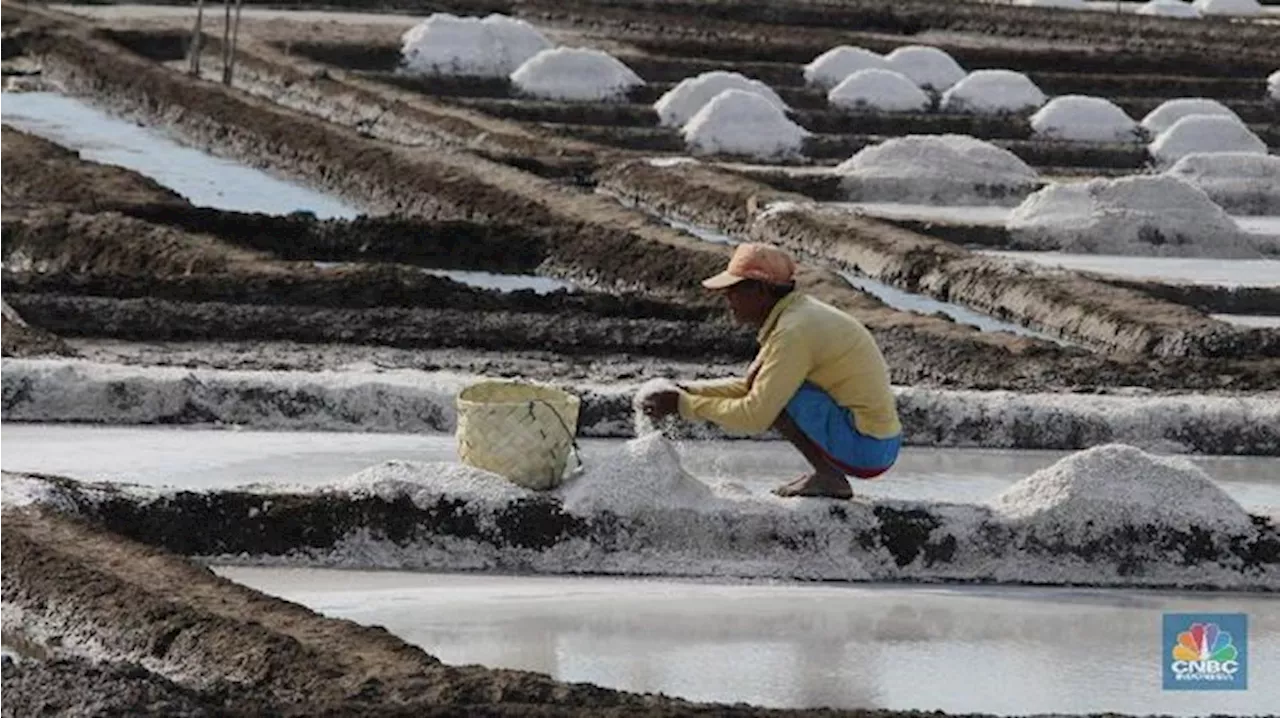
524	432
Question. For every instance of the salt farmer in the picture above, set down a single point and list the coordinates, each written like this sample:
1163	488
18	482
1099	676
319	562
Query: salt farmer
819	379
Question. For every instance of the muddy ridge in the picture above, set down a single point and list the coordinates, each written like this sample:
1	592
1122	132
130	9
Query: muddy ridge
1070	305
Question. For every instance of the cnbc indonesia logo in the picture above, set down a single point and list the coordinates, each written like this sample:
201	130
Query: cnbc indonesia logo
1205	655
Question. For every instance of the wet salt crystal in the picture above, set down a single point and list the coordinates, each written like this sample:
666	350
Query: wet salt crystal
1109	487
1141	215
644	474
643	424
425	483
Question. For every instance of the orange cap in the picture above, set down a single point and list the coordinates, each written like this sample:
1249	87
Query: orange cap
764	262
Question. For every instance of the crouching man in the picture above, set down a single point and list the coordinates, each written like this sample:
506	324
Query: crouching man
819	378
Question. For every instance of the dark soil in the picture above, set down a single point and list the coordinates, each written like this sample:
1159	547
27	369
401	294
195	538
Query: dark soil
37	173
567	334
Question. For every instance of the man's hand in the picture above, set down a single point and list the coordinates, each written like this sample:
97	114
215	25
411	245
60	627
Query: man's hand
662	403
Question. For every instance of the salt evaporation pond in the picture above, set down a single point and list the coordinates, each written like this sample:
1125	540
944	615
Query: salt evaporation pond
484	280
997	650
203	179
212	458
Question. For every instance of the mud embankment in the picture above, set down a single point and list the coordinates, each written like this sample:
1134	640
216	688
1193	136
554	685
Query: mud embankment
449	517
1069	305
84	592
20	339
1208	298
38	173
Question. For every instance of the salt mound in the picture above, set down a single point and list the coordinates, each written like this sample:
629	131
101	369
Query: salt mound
737	122
1062	4
928	67
1111	487
682	102
445	44
936	169
1170	111
833	66
993	92
1084	119
425	483
1139	215
882	90
1239	182
645	473
1204	133
570	73
1238	8
1273	85
1169	8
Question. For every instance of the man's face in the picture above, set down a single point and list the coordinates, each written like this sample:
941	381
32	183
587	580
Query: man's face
745	300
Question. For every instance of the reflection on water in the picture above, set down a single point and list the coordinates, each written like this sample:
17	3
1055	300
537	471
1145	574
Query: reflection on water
998	650
203	179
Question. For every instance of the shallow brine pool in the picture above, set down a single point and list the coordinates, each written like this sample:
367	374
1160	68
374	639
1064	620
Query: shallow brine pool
997	650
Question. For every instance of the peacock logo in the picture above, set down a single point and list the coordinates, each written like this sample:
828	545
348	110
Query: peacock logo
1205	651
1204	642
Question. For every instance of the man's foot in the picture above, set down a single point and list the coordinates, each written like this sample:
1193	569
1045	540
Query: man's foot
817	486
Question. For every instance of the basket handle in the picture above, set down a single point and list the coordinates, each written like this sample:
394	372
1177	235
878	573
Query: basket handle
573	439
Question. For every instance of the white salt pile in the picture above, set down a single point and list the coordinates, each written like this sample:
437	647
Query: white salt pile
1239	182
937	169
1170	111
879	91
1203	133
737	122
1236	8
575	74
425	483
1095	492
679	104
1084	119
445	44
1060	4
643	475
1169	8
1273	85
928	67
1140	215
833	66
993	92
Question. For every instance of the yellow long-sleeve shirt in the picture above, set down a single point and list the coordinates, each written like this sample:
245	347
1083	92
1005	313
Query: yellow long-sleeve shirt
803	339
